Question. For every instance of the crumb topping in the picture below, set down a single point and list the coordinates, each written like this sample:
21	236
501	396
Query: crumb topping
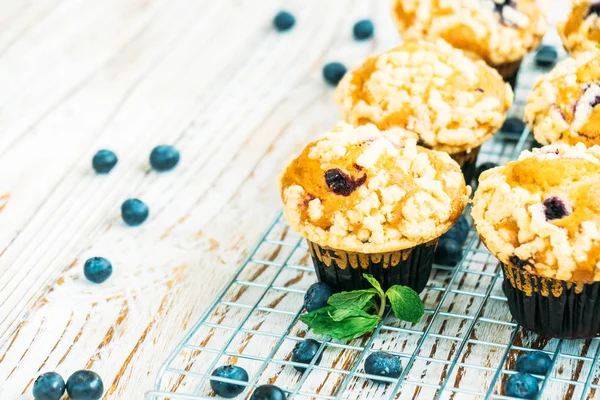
580	32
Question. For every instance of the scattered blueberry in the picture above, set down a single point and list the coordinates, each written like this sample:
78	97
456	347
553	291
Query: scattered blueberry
594	9
484	167
226	389
341	183
104	161
459	231
164	158
522	386
449	252
97	269
134	212
537	363
48	386
555	208
546	56
513	127
283	21
85	385
363	29
383	364
316	296
334	72
305	351
268	392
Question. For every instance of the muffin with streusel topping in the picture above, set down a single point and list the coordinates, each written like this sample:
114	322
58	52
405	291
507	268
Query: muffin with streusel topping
501	32
453	103
564	105
372	202
540	216
580	32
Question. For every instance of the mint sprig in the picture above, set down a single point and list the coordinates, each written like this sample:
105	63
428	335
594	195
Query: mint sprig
352	314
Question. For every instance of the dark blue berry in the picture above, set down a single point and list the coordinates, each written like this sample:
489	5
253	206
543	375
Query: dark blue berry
85	385
341	183
283	21
316	296
49	386
134	212
484	167
537	363
97	269
383	364
449	252
334	72
522	386
164	158
546	56
513	127
555	208
305	351
363	29
594	9
104	161
268	392
226	389
459	231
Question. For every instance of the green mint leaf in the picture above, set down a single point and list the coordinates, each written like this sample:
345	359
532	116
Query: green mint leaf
309	318
356	299
344	324
406	303
374	283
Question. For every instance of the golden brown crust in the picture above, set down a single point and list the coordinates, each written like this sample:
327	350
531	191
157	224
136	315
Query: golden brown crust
453	102
580	32
391	194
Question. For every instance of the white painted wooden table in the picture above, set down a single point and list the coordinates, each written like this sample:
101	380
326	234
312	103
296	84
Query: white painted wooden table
210	77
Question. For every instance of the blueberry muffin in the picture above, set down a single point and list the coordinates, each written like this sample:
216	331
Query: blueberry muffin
563	106
453	103
372	202
501	32
540	216
580	32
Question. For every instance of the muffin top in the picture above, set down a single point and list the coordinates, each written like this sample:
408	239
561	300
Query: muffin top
452	102
499	31
542	212
581	31
360	189
563	106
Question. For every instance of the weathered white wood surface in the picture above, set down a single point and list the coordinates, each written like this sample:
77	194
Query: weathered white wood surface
210	77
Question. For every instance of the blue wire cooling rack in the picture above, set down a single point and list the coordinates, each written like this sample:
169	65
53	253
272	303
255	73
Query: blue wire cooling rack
465	347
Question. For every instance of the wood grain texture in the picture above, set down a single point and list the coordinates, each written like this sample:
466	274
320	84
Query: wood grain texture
238	99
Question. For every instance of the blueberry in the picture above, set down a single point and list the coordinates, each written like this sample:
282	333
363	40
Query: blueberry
513	127
104	161
546	56
97	269
383	364
522	386
85	385
134	212
484	167
164	158
226	389
316	296
449	252
537	363
48	386
283	21
363	29
517	262
305	351
268	392
341	183
459	231
555	208
334	72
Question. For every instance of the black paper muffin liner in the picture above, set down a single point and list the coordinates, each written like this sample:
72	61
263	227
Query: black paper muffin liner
344	270
509	72
552	307
468	163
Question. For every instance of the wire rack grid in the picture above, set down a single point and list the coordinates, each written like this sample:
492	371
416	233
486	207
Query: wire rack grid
465	347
